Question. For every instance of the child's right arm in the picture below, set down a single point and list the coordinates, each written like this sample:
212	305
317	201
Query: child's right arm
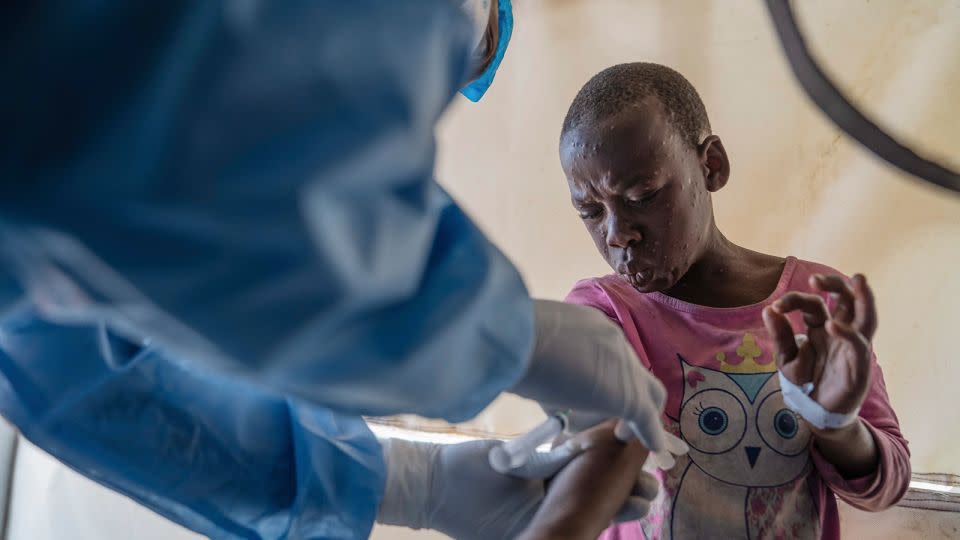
584	497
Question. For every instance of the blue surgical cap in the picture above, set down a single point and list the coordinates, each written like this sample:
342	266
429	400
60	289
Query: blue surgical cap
475	90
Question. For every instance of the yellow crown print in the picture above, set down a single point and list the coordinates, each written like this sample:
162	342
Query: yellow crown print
748	358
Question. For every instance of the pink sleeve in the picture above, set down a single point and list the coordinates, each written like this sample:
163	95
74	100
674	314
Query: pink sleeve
593	293
588	293
890	481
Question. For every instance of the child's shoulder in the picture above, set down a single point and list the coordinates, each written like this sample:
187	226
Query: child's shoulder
813	267
603	291
606	286
802	271
600	282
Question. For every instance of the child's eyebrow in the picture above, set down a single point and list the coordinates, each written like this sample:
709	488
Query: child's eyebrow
579	193
641	183
580	198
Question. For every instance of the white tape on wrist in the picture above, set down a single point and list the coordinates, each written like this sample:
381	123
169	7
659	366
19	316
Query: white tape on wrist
799	400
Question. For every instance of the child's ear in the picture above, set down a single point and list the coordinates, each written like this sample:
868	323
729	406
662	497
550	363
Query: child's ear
713	160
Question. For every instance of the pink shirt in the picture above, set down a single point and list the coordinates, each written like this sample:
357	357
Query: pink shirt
752	471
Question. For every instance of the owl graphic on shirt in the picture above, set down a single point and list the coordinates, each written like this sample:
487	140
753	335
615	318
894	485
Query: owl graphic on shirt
746	473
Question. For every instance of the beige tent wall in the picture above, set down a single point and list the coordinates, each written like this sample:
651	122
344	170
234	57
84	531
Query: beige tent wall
798	187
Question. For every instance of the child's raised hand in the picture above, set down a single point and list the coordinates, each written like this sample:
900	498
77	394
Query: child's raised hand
836	356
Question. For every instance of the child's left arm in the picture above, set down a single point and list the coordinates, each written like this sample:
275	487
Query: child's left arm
887	481
866	463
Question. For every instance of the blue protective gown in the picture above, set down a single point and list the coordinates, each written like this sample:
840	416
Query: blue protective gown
221	241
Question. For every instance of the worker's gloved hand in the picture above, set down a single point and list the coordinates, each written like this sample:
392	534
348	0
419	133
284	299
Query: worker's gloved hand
453	489
582	362
664	459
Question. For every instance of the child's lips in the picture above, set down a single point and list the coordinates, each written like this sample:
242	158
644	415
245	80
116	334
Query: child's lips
632	267
640	278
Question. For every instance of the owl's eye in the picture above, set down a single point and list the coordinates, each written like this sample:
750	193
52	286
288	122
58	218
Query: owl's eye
713	420
785	422
779	427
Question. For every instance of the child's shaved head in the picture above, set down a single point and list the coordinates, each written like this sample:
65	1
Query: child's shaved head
624	85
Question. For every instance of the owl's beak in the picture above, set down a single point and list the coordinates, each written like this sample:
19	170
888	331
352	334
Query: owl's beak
753	452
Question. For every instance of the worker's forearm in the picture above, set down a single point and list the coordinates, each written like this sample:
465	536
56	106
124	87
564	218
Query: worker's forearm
850	449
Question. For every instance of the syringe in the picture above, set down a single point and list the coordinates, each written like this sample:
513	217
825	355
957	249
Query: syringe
514	453
511	455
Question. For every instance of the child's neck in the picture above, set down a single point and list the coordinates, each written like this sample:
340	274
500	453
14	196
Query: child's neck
727	275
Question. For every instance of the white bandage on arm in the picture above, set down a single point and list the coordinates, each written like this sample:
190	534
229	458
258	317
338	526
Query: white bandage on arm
799	400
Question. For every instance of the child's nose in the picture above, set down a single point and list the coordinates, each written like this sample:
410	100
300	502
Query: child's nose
621	234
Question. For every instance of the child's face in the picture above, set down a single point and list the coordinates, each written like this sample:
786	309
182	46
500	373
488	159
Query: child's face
642	193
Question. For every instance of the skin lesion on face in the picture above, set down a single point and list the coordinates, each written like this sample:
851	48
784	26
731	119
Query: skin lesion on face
642	193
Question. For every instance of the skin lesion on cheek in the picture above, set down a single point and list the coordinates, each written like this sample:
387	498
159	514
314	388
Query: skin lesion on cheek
598	232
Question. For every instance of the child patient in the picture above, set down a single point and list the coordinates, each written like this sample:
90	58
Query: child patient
714	321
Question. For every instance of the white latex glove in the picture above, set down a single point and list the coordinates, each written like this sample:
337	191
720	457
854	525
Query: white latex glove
583	363
452	489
